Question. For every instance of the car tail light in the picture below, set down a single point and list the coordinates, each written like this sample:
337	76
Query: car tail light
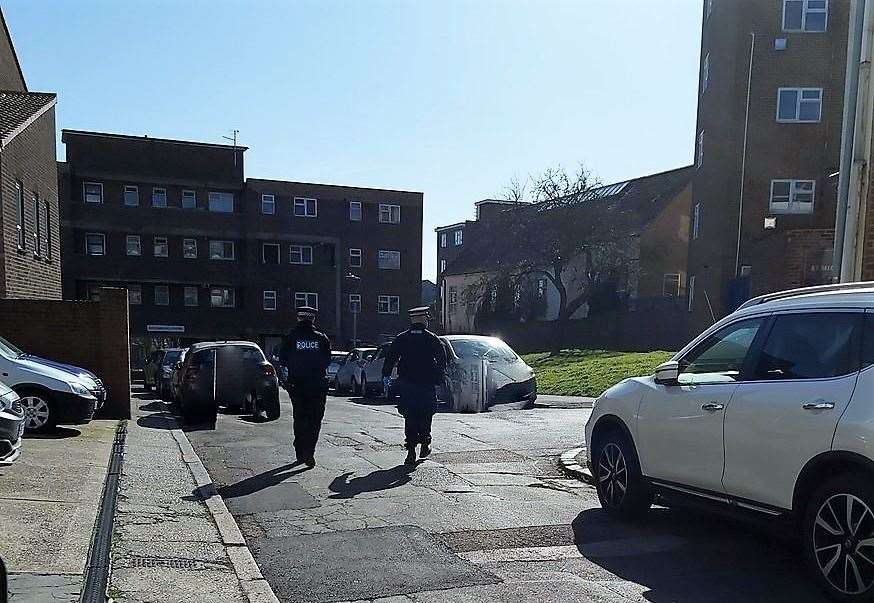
268	369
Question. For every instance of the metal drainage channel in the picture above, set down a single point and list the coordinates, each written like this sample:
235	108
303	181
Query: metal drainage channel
97	568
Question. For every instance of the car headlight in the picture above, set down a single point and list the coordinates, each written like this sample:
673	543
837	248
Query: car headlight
79	388
88	382
6	402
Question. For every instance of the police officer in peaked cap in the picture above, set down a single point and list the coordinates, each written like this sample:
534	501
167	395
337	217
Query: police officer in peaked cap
306	353
421	362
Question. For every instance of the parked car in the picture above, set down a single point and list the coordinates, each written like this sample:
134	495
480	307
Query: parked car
176	376
99	390
348	375
232	373
151	367
164	374
331	372
11	425
49	396
767	413
371	381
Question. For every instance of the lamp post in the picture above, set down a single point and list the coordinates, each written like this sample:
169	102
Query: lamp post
355	308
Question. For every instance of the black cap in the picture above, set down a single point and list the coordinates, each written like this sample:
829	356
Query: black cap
306	313
420	312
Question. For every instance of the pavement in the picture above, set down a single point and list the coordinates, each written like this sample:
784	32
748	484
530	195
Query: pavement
569	402
49	500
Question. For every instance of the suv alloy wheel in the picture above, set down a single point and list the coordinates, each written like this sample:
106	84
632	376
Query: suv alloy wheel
620	486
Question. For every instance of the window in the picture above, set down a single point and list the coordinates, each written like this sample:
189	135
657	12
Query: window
37	226
270	253
709	7
810	346
720	357
221	250
221	202
131	195
690	293
442	265
390	214
705	73
269	300
306	299
159	197
162	295
134	246
805	15
305	208
389	260
696	220
388	304
300	254
161	247
189	199
189	248
792	196
48	211
221	297
453	299
95	243
93	192
19	217
699	159
355	303
268	204
134	294
671	285
191	293
459	237
799	105
355	258
443	239
355	211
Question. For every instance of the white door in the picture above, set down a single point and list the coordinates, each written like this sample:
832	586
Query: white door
679	427
803	380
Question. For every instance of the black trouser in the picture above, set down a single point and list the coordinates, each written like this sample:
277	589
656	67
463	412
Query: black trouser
308	404
417	426
418	403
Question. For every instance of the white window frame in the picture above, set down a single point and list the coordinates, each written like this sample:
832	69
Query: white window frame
385	259
185	250
223	243
356	204
709	7
222	195
303	203
186	299
268	201
159	192
356	257
268	300
127	245
699	158
166	289
192	195
131	288
791	205
459	237
672	293
233	297
355	303
384	304
442	266
306	298
85	193
690	293
130	188
705	73
389	213
805	11
102	243
155	247
264	247
696	220
798	102
300	251
444	240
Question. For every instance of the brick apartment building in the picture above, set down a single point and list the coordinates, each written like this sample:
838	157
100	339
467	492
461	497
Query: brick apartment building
205	254
30	265
776	67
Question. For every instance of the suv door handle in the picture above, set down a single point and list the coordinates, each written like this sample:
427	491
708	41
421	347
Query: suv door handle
712	406
818	405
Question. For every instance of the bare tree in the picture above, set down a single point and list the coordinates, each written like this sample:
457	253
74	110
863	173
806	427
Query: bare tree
516	190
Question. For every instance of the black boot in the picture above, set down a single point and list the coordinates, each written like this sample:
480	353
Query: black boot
411	456
426	450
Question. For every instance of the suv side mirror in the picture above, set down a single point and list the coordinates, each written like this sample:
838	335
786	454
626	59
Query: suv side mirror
667	373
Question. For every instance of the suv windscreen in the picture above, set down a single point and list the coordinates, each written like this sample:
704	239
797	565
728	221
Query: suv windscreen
487	347
810	346
10	348
720	357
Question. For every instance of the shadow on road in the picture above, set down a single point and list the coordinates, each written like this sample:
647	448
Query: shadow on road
384	479
262	480
157	406
682	556
162	420
58	433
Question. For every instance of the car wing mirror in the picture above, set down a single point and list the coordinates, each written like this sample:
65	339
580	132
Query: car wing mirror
668	373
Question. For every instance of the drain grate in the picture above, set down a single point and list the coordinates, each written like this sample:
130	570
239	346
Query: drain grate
478	456
171	563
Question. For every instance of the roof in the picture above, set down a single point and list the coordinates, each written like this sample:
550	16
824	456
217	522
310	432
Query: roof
12	47
451	226
640	199
65	132
859	294
268	181
212	344
20	109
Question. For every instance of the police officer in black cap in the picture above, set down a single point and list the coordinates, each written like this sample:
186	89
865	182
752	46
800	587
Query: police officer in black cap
421	362
306	354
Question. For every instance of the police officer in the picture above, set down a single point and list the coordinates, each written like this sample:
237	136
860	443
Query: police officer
421	361
306	354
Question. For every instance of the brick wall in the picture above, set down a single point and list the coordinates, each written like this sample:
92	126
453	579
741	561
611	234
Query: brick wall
92	335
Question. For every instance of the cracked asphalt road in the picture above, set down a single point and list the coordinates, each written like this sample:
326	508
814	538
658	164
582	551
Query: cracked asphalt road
489	517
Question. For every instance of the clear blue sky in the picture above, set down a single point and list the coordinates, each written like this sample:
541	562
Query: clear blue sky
451	98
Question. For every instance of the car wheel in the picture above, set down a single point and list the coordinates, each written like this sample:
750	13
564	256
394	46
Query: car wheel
838	530
271	408
620	485
38	412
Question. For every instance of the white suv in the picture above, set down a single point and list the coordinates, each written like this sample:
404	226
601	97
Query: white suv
769	412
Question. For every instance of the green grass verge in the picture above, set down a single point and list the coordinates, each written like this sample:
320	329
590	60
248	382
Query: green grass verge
589	372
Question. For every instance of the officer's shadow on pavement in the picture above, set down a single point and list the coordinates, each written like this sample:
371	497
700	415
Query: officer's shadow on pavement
383	479
250	485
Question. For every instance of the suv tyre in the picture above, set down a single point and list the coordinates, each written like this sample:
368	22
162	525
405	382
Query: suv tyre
838	529
621	489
